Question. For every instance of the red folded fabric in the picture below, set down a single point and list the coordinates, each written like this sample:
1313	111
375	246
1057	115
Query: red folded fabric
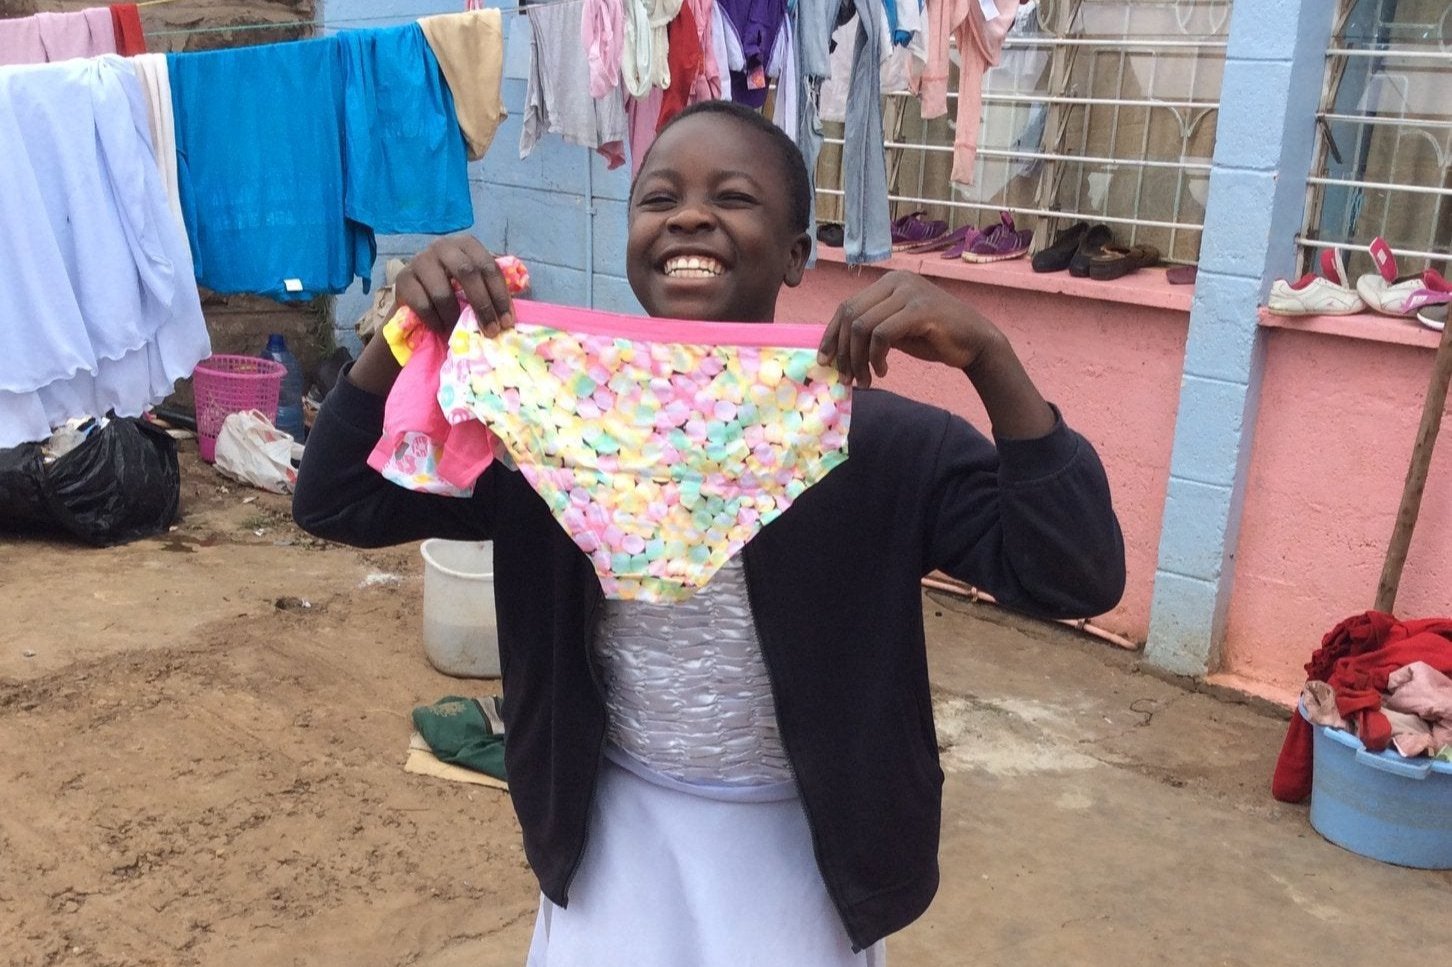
126	21
1356	657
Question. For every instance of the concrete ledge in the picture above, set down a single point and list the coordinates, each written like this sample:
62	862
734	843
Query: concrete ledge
1147	287
1370	326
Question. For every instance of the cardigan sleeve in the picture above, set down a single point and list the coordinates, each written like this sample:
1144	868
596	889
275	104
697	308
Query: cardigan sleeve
340	498
1031	522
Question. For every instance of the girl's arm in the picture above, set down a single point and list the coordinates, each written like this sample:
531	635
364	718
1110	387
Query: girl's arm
338	496
1030	520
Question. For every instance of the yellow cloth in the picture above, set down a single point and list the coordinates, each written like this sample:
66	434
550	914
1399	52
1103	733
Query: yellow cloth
470	50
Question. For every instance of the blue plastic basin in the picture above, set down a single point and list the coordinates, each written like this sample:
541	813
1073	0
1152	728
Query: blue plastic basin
1382	804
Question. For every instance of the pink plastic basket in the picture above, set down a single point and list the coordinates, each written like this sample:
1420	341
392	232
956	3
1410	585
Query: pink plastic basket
231	384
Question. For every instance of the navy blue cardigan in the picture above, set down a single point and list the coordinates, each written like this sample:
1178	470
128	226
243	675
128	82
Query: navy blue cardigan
834	588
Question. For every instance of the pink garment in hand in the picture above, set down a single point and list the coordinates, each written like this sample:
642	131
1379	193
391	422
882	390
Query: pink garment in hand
1419	689
419	448
980	44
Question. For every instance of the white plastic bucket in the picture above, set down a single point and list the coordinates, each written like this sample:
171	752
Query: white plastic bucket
461	637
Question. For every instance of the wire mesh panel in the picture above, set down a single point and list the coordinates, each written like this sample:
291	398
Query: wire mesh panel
1384	142
1102	110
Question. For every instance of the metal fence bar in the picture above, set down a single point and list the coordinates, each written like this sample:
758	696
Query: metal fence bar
1403	122
1097	101
1391	54
1115	43
1356	247
1380	186
1062	214
1045	156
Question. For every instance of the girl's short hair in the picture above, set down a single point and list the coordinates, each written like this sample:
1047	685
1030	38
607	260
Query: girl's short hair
793	168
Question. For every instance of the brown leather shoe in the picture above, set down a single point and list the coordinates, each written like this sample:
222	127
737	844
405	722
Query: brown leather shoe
1116	262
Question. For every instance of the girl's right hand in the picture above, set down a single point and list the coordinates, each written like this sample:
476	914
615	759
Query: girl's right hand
427	284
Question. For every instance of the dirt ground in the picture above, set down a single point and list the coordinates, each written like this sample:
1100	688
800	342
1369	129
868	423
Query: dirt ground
203	737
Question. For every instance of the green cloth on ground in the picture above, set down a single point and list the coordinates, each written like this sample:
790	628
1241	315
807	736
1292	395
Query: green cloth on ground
459	731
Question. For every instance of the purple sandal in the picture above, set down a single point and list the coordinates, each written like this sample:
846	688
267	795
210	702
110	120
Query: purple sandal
1000	243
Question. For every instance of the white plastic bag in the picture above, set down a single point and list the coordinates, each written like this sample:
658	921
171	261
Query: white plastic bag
251	449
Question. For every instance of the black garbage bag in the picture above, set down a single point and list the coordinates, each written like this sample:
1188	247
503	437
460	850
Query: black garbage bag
121	484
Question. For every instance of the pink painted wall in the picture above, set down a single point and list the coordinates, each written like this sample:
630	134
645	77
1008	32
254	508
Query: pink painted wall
1112	367
1333	436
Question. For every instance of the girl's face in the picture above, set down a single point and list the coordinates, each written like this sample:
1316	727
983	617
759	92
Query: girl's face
709	225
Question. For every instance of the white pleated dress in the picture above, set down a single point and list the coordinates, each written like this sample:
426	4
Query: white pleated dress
698	852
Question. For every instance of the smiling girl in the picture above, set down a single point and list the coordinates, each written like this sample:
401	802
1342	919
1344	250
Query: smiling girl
748	776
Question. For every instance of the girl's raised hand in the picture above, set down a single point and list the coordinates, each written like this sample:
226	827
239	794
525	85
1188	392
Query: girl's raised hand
427	285
906	312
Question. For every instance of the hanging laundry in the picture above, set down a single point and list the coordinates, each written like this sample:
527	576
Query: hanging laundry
44	38
363	124
644	61
868	230
404	153
243	116
907	16
470	50
661	447
695	77
685	60
813	22
96	266
602	31
784	70
710	82
725	46
979	41
643	114
557	99
756	24
156	86
126	25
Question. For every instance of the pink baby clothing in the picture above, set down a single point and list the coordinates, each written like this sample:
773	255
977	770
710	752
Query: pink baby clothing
980	43
420	449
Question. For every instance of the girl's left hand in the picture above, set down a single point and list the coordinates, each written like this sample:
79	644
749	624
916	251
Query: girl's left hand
903	311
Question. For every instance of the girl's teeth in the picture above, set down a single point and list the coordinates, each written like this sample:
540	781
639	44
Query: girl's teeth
691	267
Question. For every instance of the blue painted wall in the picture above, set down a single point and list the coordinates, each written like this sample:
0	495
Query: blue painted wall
1263	153
546	208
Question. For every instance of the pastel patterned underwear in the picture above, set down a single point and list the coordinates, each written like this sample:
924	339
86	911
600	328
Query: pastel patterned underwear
661	447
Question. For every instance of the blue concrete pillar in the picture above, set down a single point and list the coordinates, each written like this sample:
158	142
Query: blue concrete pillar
1274	65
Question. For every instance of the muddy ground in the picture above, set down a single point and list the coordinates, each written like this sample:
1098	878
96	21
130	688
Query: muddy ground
203	735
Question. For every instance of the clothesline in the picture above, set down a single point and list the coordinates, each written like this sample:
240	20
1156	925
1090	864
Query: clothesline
346	21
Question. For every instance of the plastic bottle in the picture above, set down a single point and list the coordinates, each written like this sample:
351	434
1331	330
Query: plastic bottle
289	400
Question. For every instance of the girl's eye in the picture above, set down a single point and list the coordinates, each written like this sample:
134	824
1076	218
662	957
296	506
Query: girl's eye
655	200
737	198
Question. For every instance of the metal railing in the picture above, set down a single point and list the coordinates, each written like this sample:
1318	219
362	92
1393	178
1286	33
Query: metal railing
1100	110
1383	157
